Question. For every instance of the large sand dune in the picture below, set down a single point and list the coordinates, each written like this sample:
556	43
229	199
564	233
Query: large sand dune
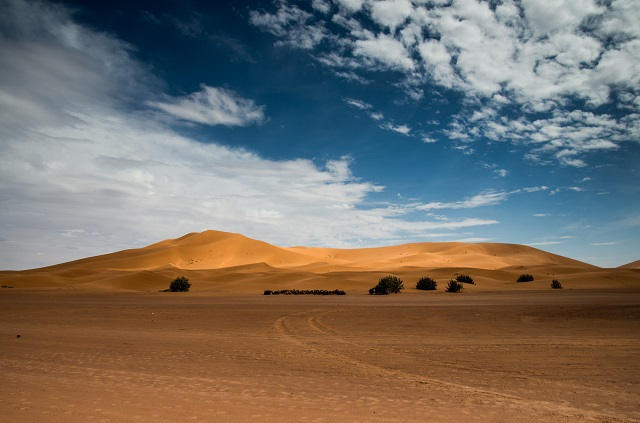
228	262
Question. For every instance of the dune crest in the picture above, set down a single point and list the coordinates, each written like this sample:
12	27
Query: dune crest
632	265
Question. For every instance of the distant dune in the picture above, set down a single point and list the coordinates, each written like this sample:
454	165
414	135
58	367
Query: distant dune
229	262
632	265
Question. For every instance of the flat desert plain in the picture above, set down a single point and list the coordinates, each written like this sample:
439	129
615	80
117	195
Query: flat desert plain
99	342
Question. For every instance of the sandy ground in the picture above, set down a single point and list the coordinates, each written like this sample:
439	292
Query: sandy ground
525	356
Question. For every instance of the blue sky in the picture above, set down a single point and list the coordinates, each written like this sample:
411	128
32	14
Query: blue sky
342	123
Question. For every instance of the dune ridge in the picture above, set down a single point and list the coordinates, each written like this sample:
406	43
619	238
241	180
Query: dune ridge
632	265
231	262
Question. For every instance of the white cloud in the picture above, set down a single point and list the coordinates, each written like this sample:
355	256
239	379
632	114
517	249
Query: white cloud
501	172
489	198
479	200
385	50
390	13
212	106
322	6
542	243
357	103
350	5
83	174
541	214
291	24
563	136
604	243
533	58
401	129
553	15
472	239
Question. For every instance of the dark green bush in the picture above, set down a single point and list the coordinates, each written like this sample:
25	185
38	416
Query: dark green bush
180	284
390	284
454	286
426	284
465	279
525	277
555	284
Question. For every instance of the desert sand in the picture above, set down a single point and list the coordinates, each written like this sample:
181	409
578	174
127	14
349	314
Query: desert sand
99	342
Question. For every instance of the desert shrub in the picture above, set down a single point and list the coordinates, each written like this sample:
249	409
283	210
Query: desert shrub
454	286
525	277
555	284
465	279
180	284
426	284
389	284
305	292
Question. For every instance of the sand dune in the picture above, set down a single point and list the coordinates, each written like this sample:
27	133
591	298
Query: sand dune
632	265
232	263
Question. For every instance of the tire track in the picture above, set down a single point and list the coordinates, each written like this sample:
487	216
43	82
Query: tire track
312	321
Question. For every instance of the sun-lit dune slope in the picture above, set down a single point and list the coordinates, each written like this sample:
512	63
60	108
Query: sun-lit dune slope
233	263
204	250
217	250
632	265
440	254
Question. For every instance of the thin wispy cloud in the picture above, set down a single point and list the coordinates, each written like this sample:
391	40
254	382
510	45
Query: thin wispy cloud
400	129
490	198
543	243
212	106
357	103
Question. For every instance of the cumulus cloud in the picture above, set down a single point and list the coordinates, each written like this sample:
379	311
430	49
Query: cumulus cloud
532	61
390	13
384	50
213	106
291	24
85	173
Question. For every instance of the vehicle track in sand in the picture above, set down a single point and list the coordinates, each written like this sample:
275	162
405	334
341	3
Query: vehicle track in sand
307	331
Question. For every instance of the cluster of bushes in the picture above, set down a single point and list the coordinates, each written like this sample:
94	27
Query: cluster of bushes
389	284
6	286
305	292
180	284
525	277
392	284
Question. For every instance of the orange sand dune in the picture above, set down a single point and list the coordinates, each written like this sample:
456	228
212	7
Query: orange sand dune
632	265
232	263
440	254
